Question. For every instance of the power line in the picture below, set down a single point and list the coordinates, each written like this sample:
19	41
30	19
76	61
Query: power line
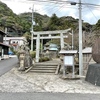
58	9
51	8
58	1
91	12
53	1
55	8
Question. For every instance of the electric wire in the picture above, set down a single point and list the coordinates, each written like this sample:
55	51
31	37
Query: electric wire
92	12
54	8
83	4
52	1
59	1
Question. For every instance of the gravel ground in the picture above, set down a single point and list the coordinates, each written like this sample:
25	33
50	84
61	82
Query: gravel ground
15	81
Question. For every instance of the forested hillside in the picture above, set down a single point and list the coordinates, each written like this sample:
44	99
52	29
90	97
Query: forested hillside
22	23
19	25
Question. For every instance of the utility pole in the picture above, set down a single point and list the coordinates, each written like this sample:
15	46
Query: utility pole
5	35
72	40
80	41
32	29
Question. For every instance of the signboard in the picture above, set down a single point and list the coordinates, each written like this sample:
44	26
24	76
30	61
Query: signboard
69	60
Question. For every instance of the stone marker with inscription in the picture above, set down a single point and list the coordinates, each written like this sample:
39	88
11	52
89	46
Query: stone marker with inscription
93	73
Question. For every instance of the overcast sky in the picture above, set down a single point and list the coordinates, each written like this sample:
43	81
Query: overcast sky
90	14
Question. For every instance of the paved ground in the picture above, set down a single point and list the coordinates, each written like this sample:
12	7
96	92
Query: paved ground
7	64
15	81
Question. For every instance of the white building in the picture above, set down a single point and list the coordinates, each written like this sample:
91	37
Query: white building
15	42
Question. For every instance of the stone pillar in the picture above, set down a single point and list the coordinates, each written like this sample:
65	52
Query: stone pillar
37	47
61	40
21	61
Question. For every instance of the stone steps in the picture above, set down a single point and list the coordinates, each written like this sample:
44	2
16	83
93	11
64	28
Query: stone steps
46	64
46	67
42	71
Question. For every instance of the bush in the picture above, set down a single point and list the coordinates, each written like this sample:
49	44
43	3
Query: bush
44	59
33	54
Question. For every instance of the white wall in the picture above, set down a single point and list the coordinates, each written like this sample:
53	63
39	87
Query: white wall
14	40
20	40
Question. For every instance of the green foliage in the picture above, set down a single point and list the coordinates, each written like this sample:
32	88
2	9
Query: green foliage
54	22
33	54
55	41
42	59
20	25
5	10
97	26
87	27
27	35
12	21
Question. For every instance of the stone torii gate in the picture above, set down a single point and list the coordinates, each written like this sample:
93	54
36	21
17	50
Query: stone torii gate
49	35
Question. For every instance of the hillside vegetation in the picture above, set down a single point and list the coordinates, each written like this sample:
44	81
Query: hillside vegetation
19	25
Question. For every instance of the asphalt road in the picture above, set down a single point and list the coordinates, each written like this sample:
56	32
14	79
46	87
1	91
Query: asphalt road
7	64
48	96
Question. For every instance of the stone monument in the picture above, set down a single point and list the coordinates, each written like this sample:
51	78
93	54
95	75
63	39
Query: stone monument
25	60
93	73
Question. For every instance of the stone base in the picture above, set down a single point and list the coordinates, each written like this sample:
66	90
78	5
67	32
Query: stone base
93	74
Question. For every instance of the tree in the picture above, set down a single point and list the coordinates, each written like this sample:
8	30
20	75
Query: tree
54	23
98	24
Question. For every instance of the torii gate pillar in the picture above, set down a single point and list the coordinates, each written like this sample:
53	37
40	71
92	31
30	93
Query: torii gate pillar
37	47
61	41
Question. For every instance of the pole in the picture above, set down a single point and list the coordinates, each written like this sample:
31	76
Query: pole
80	42
32	30
37	47
5	35
41	45
61	41
72	40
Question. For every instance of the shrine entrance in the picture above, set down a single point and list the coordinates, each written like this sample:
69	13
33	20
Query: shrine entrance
59	34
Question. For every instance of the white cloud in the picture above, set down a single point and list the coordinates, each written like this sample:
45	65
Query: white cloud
20	6
17	7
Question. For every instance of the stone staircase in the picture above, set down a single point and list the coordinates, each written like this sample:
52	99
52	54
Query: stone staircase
45	67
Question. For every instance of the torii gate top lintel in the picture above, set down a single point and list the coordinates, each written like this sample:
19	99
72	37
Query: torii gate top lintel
52	32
